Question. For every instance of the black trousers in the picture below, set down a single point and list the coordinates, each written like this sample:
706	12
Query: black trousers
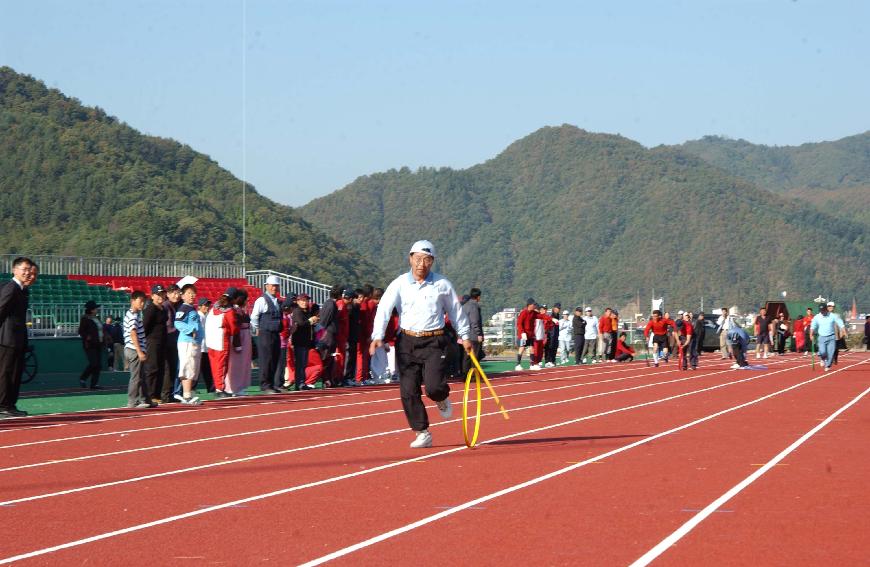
205	372
420	361
94	356
154	368
171	384
268	349
300	361
551	347
350	361
579	341
280	369
11	369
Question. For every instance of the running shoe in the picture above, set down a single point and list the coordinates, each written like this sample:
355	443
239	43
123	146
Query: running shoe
445	408
518	367
423	440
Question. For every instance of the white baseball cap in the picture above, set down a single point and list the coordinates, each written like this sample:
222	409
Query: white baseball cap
423	246
273	280
680	312
831	304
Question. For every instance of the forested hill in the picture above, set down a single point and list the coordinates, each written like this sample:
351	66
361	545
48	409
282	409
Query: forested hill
76	181
568	215
835	176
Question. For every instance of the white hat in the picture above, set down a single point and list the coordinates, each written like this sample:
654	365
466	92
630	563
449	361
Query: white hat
680	312
423	246
831	304
273	280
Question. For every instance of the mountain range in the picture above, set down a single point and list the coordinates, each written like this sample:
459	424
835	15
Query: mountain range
76	181
560	215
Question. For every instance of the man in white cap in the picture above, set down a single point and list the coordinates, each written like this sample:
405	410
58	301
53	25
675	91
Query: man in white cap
266	319
422	298
828	326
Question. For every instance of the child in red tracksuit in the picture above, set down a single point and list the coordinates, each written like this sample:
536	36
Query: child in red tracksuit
624	353
525	330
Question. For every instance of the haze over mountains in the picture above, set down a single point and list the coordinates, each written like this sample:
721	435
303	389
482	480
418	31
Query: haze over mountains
561	215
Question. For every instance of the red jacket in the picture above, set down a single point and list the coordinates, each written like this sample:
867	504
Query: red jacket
622	348
659	327
526	323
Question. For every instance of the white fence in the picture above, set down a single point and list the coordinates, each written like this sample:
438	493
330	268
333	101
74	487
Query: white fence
62	319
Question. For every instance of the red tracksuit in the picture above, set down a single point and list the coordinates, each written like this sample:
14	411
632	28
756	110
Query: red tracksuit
367	310
341	341
221	327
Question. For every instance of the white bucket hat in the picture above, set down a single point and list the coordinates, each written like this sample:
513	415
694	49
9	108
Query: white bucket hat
273	280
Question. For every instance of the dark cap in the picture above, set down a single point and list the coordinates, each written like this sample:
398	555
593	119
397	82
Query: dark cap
578	308
231	293
157	288
530	301
204	301
303	296
348	292
172	287
91	304
557	304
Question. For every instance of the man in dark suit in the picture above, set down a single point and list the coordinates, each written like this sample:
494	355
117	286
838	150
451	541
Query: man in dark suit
13	335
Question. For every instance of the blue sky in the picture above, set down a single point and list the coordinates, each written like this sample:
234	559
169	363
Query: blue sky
303	97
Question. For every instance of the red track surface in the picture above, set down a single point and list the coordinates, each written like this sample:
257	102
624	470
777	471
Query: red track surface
597	465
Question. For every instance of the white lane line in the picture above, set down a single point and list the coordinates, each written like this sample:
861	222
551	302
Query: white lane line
296	488
325	444
477	501
309	424
392	398
714	506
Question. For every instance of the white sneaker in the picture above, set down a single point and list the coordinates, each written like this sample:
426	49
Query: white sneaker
192	401
535	367
549	365
735	366
445	408
757	356
423	440
518	367
584	361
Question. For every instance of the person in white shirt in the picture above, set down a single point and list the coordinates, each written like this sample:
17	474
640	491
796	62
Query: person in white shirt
422	298
591	335
725	323
565	331
266	320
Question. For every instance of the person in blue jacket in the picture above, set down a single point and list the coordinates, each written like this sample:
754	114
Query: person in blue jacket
828	326
190	336
739	343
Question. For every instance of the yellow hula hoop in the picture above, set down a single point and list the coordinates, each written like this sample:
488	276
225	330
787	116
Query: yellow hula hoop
477	372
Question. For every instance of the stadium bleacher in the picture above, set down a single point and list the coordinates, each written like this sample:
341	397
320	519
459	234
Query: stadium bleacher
211	288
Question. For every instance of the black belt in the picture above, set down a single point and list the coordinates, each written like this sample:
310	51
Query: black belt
435	333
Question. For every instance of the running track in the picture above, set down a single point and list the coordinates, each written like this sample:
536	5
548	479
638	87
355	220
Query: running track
598	465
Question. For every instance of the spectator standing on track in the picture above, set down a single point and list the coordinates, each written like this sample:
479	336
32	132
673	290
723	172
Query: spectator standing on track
471	308
302	337
578	327
91	332
171	384
154	321
762	333
190	335
221	331
266	326
14	299
203	307
367	307
565	332
828	326
422	298
329	323
591	338
239	368
604	336
353	334
699	331
135	353
552	330
614	332
525	331
684	339
867	333
724	324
